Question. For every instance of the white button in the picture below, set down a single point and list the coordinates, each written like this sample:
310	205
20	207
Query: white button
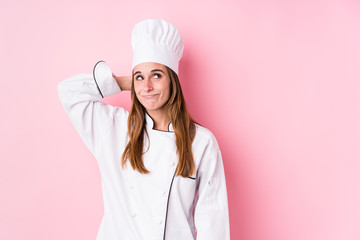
171	164
132	187
160	222
133	215
164	193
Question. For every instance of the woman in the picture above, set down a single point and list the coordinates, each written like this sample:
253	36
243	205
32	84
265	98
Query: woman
162	174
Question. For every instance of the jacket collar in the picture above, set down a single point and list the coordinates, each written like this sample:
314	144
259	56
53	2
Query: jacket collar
150	124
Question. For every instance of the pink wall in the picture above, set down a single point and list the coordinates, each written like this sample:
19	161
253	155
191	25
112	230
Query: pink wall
277	83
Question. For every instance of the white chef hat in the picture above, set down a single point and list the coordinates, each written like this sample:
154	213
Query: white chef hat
155	40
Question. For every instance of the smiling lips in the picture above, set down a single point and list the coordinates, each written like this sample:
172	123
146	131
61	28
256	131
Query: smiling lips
149	96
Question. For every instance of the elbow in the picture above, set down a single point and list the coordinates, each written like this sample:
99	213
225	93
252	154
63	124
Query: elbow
60	89
62	93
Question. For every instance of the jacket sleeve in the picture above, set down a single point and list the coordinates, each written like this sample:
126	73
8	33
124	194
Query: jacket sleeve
80	96
211	215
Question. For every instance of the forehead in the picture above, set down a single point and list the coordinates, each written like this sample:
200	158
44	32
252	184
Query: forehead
148	67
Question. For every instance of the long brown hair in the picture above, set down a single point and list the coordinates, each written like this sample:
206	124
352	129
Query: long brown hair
182	123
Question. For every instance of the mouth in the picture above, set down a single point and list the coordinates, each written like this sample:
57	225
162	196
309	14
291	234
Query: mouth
149	96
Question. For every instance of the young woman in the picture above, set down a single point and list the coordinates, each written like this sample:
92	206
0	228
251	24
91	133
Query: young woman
162	174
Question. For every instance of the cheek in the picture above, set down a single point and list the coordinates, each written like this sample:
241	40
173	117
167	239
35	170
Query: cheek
137	95
167	92
166	88
136	89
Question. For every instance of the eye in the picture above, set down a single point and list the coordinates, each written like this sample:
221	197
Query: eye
139	77
156	75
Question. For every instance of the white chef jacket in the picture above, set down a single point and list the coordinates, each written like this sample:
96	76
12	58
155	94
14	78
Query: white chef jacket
153	206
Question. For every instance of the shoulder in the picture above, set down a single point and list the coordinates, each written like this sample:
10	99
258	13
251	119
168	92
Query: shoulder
203	133
120	117
205	142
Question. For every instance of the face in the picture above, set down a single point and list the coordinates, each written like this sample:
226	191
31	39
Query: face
152	85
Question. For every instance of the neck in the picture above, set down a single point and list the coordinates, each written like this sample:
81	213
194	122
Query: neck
161	119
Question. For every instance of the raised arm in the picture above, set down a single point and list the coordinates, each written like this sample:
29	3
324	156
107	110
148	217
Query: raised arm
124	82
80	96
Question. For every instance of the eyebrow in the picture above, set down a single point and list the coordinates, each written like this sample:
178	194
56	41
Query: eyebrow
154	70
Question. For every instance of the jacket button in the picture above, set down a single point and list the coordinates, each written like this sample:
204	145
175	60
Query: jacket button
133	215
171	164
160	222
164	193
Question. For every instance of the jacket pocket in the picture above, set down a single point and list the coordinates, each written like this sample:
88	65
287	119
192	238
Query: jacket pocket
214	199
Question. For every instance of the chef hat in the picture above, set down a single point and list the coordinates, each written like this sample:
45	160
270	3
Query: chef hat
155	40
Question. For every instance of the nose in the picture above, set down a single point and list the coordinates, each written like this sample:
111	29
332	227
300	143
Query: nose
147	85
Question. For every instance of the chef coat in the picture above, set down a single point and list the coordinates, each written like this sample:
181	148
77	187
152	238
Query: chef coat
153	206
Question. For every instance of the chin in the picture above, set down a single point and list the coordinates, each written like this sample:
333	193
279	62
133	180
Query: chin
154	108
151	108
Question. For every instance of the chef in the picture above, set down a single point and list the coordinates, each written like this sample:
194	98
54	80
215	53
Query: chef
162	174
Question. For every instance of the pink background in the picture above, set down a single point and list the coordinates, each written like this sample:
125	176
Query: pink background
277	83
